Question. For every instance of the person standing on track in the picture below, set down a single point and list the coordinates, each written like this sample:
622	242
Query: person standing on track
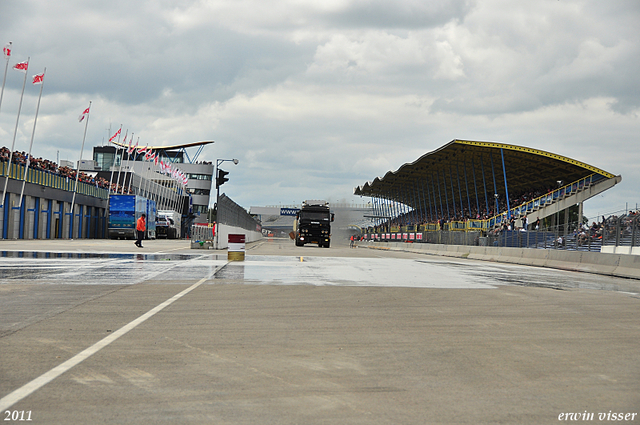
141	226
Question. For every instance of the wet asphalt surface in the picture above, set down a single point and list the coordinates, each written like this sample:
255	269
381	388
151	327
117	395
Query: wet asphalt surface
311	266
310	335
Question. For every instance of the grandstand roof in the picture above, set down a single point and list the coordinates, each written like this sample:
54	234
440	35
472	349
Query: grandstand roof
180	146
459	165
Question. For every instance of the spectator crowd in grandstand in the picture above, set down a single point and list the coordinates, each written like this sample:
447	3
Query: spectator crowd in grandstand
454	214
450	217
21	158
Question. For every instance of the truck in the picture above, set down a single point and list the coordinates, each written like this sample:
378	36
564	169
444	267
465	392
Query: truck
313	224
168	224
124	211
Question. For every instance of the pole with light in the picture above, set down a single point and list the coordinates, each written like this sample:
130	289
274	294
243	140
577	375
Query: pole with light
220	180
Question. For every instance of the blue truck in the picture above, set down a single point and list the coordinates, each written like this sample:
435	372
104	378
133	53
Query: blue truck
124	211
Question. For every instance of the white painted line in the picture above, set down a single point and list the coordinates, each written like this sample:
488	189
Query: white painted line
27	389
169	250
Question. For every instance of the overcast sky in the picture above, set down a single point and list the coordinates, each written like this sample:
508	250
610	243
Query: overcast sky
317	97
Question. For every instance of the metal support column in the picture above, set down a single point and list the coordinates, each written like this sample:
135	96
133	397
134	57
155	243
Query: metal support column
441	216
460	192
430	217
484	182
473	169
466	184
495	187
453	194
506	187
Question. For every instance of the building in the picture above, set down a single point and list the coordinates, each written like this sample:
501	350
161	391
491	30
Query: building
108	159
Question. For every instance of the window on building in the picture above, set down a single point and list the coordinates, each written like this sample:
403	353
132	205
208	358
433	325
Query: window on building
202	209
104	160
199	176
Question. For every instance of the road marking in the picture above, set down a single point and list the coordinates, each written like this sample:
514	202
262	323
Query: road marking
29	388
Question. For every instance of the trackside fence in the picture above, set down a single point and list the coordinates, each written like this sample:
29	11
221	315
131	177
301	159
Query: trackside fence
232	214
618	231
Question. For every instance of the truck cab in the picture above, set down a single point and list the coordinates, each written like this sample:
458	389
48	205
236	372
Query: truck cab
313	224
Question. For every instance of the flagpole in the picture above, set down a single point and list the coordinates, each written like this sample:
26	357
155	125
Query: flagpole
163	193
75	189
120	168
114	160
13	144
134	161
33	133
145	174
149	174
112	165
124	141
6	67
133	167
152	171
175	194
156	187
180	190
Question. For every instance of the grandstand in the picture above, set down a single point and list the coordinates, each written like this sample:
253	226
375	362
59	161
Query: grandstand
482	188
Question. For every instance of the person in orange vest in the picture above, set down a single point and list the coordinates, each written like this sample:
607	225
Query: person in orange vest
141	226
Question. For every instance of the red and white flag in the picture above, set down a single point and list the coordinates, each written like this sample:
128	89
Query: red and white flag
7	50
21	66
141	149
83	115
148	155
116	134
132	148
37	79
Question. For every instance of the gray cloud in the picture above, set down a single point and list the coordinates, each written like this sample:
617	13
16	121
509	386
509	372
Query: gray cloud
317	98
411	14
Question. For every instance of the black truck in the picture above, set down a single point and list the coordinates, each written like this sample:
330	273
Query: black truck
313	224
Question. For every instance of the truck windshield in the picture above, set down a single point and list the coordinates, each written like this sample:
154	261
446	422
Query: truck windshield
310	215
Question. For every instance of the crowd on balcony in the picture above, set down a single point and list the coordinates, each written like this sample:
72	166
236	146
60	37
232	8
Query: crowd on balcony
21	158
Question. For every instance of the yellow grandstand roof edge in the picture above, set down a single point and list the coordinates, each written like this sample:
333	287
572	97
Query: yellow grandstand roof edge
184	145
525	149
537	152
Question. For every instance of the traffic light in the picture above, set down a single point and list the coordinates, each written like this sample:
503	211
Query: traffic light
220	179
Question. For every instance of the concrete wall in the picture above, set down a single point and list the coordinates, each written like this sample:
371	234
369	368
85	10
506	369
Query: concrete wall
621	265
225	230
610	249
